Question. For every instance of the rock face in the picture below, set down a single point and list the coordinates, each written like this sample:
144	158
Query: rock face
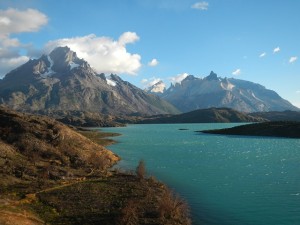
212	91
62	81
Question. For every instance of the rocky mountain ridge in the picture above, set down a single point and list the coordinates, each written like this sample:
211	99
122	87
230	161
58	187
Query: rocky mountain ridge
213	91
62	81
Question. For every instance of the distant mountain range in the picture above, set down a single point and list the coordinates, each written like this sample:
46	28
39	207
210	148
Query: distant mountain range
67	88
213	91
61	81
212	115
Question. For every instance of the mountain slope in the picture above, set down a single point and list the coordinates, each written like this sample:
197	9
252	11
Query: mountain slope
212	91
62	81
212	115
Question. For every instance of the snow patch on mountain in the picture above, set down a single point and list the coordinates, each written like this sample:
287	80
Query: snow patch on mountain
49	72
110	81
73	65
159	87
227	86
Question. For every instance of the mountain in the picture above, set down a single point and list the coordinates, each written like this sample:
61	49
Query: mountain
62	81
158	88
212	91
212	115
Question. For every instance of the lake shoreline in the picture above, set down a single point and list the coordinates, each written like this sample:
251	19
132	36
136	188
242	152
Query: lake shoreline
221	178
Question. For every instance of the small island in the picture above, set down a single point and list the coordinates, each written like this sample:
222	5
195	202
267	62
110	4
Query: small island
287	129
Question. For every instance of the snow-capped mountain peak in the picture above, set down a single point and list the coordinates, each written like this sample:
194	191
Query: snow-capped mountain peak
158	87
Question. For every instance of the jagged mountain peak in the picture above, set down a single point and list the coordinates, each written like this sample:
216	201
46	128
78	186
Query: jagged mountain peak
189	78
64	59
212	76
158	88
62	81
213	91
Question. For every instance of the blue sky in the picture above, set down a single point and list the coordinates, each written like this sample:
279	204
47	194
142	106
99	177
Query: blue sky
147	40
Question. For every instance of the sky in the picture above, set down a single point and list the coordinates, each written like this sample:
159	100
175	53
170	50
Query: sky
145	41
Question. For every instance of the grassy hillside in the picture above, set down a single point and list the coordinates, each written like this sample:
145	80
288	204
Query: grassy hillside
51	174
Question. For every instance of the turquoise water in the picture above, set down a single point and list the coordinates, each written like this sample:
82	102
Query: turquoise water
227	180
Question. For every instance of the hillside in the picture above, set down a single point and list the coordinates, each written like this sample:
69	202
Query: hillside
212	115
273	129
51	174
279	116
35	147
194	93
63	82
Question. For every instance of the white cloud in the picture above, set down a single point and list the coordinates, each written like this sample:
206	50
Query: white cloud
275	50
178	78
293	59
237	72
17	21
104	54
14	21
128	37
298	92
153	62
262	55
200	5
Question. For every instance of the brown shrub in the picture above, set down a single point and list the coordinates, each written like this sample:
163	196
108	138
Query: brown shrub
141	170
129	214
173	209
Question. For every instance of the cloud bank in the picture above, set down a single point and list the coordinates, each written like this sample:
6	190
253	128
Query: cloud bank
14	21
178	78
104	54
200	6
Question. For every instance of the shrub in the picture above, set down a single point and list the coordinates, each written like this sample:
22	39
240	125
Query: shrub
173	209
141	170
129	214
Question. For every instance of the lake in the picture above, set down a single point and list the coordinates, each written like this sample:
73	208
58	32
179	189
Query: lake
227	180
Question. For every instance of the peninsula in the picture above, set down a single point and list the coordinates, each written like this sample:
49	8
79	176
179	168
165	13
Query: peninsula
287	129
